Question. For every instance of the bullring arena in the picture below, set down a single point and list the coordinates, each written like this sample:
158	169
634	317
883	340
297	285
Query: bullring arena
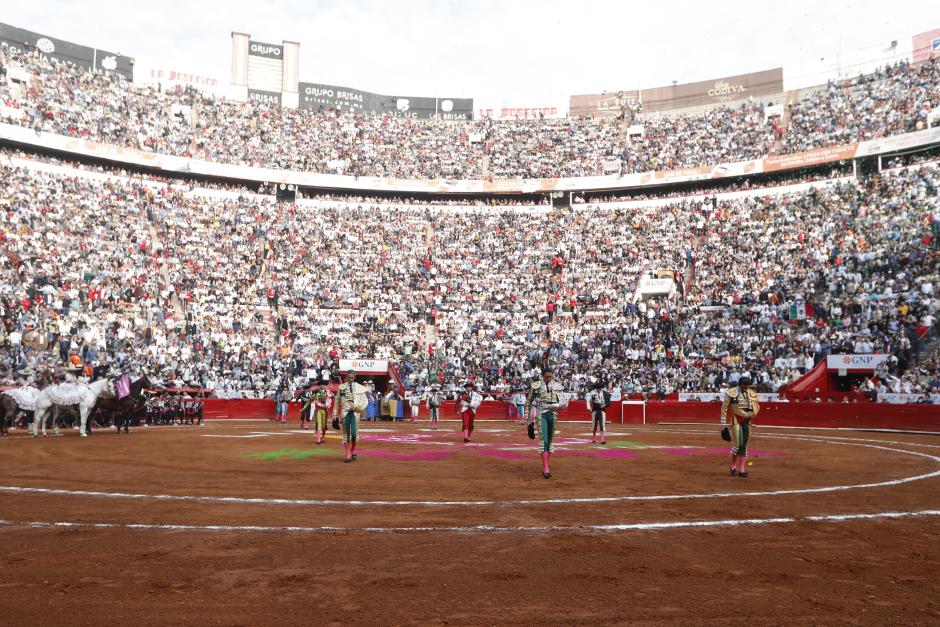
252	522
683	341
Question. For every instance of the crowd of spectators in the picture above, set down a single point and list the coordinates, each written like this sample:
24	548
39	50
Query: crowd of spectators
64	99
244	294
895	99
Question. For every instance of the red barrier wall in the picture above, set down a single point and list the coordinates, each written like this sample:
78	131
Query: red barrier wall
489	410
217	408
848	415
499	410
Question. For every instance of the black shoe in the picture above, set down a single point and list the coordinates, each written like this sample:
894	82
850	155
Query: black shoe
744	475
734	472
547	475
465	440
348	460
355	457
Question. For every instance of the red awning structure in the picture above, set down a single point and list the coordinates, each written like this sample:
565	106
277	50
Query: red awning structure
813	383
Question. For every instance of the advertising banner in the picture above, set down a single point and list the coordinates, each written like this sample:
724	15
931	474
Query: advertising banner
729	88
168	77
323	96
854	362
604	105
421	107
898	142
364	366
656	287
534	109
65	51
810	158
319	95
267	51
267	98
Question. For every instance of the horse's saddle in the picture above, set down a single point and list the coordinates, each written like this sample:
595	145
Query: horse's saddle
25	396
67	393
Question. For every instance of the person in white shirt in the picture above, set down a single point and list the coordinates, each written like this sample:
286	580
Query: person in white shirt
518	401
435	398
414	403
351	400
597	401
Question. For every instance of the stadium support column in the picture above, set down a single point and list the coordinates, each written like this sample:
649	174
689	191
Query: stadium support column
290	73
239	86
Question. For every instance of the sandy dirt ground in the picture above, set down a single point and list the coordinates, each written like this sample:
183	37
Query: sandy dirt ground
247	523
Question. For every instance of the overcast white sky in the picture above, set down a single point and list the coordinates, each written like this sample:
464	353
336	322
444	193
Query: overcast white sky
517	51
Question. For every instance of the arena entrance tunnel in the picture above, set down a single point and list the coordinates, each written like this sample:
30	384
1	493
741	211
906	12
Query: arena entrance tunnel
833	377
384	377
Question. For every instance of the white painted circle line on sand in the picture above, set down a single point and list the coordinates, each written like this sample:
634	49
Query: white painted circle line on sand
554	501
650	526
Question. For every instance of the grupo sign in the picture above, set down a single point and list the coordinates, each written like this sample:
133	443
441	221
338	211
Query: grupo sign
268	51
364	366
316	95
854	362
263	97
320	95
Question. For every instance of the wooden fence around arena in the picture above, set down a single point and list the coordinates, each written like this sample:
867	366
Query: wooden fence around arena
799	414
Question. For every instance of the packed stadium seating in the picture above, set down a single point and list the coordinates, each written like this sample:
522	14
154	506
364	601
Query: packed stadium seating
896	99
213	285
236	292
67	100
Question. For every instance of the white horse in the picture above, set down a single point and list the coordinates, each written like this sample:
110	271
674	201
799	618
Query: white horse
83	395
